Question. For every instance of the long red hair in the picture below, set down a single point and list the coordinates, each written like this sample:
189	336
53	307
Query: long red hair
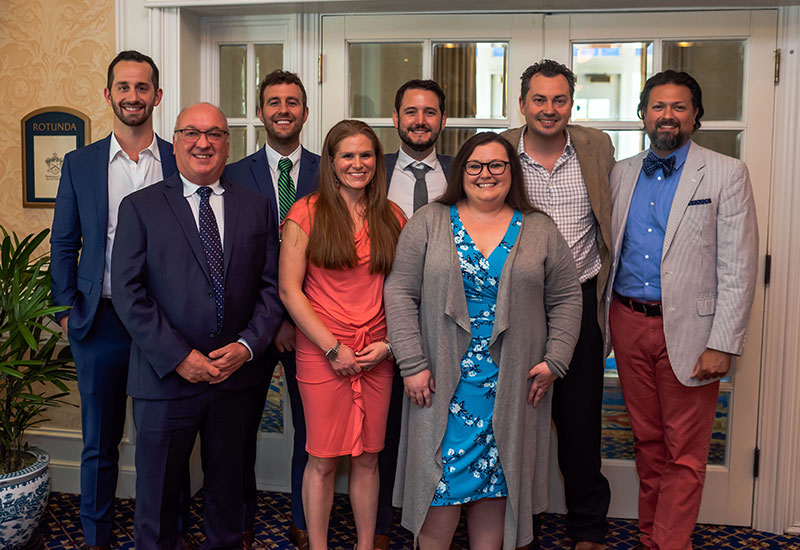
331	244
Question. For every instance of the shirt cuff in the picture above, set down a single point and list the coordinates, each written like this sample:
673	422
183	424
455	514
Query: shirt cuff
245	344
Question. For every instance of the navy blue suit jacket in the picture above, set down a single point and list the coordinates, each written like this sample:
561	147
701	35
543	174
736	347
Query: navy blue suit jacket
391	159
80	225
253	172
162	290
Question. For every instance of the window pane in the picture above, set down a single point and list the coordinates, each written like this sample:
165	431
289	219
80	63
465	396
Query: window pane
238	139
269	57
261	137
451	139
473	77
718	66
727	142
272	416
232	80
609	78
376	71
389	139
626	142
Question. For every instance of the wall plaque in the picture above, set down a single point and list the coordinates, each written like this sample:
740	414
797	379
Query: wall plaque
48	134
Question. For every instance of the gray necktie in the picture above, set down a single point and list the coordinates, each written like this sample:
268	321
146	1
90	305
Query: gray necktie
420	187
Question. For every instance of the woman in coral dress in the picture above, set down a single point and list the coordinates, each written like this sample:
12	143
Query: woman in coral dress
337	247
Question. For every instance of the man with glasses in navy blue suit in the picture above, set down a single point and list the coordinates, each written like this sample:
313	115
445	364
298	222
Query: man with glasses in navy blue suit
94	180
283	171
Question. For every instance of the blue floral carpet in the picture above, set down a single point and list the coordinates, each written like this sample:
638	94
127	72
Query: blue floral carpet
61	529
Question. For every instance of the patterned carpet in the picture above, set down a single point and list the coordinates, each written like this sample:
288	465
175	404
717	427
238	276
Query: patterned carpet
61	529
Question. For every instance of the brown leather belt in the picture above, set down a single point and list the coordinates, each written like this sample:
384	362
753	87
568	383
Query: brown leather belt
650	309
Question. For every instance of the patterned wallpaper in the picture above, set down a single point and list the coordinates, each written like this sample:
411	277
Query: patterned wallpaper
51	53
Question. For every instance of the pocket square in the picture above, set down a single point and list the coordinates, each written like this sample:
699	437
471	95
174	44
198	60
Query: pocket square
699	201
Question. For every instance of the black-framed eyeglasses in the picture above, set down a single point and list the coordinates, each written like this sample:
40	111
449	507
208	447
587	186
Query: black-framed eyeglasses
495	167
214	135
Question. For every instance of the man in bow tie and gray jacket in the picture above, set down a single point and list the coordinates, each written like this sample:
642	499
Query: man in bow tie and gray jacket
685	243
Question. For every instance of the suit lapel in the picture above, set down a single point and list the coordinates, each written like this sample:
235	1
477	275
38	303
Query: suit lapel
628	179
691	176
308	171
168	166
587	159
229	198
97	173
183	213
389	160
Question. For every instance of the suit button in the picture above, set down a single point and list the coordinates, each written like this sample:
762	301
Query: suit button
212	334
210	294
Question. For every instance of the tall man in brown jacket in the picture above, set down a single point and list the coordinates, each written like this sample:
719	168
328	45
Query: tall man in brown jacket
566	170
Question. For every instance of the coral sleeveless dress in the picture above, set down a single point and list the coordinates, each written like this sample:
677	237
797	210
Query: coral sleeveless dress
345	415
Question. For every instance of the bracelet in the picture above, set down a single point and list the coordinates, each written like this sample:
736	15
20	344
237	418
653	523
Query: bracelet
333	353
389	348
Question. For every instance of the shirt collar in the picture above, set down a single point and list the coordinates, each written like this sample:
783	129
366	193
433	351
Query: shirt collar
404	160
273	157
190	188
115	148
680	154
568	148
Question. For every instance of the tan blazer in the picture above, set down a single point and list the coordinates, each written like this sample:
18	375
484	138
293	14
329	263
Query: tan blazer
709	260
596	158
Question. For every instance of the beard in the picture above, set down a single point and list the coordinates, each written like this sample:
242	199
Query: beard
664	141
132	119
405	137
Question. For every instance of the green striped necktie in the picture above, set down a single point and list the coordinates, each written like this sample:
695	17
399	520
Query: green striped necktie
286	192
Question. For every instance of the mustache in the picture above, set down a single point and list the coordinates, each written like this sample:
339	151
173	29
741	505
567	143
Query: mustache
668	121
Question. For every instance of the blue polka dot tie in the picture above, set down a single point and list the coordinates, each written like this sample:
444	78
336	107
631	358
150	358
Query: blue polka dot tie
209	235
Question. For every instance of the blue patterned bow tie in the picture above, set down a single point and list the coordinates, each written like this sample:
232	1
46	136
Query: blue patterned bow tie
652	162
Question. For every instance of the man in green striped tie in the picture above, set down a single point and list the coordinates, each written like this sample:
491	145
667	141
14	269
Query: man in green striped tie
284	171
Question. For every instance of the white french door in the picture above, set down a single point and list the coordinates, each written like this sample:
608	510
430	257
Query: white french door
366	57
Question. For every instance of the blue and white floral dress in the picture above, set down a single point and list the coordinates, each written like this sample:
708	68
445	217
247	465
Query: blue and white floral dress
470	459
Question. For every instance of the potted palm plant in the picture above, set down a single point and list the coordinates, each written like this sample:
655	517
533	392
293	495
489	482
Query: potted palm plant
34	370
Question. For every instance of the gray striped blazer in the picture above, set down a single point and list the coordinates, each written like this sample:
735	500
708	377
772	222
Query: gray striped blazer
710	256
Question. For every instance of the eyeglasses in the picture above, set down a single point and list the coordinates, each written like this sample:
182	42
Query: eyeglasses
191	135
496	167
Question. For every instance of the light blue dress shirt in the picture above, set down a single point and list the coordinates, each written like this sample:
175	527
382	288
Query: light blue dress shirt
639	272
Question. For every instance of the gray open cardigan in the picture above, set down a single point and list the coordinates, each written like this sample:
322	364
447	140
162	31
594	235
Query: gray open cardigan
537	319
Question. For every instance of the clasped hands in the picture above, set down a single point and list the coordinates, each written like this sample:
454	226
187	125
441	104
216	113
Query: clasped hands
215	368
348	362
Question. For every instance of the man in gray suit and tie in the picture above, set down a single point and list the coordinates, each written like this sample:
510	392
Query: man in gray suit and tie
685	241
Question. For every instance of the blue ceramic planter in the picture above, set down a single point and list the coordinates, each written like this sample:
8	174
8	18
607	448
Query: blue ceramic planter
23	500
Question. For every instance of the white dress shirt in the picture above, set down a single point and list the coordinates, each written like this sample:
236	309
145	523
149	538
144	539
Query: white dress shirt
273	157
124	177
401	190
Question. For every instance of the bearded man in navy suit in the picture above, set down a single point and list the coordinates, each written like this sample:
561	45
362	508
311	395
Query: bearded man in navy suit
94	179
283	171
194	279
415	176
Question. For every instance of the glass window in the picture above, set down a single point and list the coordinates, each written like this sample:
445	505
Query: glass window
389	139
451	139
473	77
238	140
233	80
727	142
609	78
376	71
626	142
269	57
718	66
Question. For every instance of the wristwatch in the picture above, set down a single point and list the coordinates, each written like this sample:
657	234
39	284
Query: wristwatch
333	353
389	348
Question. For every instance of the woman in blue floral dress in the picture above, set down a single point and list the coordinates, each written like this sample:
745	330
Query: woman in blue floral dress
483	308
469	451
